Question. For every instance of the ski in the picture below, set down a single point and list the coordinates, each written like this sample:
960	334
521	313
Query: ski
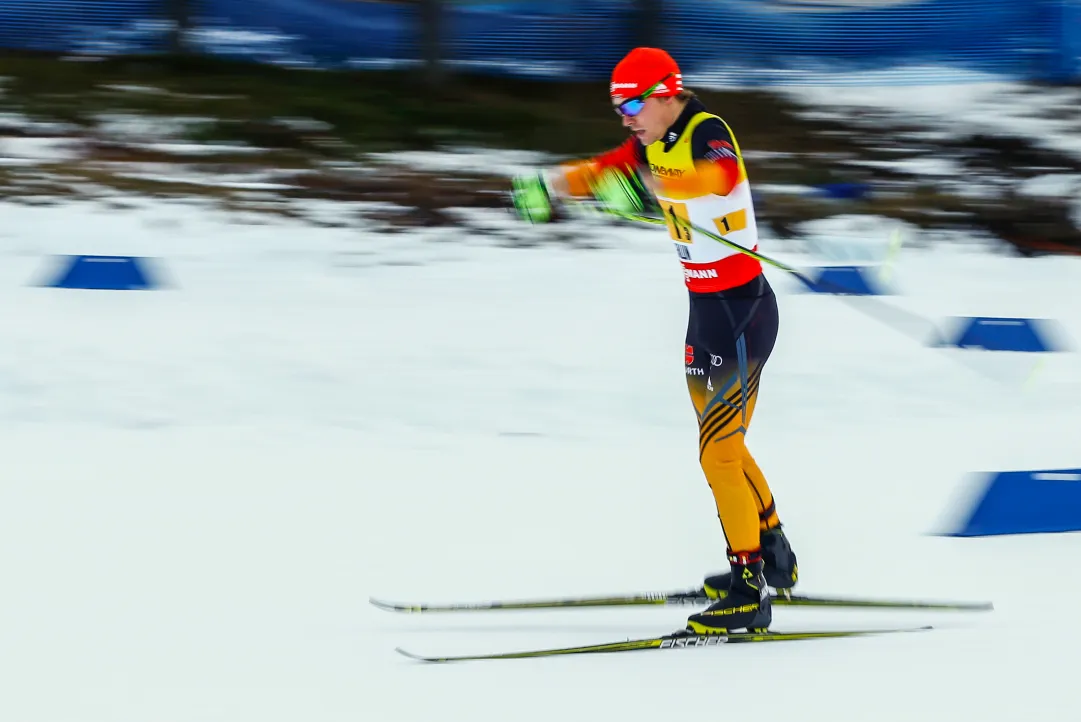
682	639
696	597
627	600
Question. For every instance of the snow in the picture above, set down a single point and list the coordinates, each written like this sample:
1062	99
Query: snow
1047	116
135	128
19	121
947	167
1054	185
853	238
201	148
34	151
205	484
248	181
467	159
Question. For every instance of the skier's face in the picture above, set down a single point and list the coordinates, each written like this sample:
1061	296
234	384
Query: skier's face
651	121
646	116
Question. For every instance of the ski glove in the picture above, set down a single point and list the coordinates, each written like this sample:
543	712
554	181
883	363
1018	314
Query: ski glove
621	193
532	198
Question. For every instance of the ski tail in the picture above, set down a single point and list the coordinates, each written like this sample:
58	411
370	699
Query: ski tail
696	597
625	600
679	640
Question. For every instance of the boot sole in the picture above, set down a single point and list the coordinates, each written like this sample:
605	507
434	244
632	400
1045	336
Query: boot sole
699	628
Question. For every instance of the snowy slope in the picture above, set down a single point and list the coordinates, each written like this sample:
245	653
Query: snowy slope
206	484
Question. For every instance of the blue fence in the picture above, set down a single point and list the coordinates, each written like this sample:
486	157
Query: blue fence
718	42
84	26
1071	40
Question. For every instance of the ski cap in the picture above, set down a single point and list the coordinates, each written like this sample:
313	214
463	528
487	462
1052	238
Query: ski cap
641	68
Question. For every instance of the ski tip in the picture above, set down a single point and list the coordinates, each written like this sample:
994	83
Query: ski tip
968	606
901	630
958	606
417	657
392	606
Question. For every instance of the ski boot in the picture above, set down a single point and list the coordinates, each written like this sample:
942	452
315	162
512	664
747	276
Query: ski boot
780	566
745	604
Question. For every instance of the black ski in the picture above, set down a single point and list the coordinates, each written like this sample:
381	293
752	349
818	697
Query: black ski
679	640
696	597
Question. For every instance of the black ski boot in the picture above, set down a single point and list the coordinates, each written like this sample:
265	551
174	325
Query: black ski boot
745	604
780	566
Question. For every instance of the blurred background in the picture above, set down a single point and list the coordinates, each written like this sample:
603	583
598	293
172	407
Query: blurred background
947	115
361	376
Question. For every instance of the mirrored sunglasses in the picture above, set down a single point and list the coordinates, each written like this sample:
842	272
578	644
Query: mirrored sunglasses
633	106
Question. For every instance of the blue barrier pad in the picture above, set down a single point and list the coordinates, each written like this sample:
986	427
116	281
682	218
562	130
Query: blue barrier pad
104	273
1025	502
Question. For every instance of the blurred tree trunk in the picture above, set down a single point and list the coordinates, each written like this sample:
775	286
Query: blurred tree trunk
431	41
179	12
648	23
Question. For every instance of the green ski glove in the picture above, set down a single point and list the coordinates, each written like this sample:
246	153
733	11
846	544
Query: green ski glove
621	193
532	198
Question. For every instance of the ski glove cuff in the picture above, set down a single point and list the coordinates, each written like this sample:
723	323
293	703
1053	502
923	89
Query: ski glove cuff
620	192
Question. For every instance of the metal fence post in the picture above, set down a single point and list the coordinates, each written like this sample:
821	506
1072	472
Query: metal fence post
431	41
647	23
179	12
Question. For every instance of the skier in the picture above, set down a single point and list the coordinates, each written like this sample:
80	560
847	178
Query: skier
684	162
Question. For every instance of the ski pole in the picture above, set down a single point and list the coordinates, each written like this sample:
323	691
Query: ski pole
913	325
895	243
